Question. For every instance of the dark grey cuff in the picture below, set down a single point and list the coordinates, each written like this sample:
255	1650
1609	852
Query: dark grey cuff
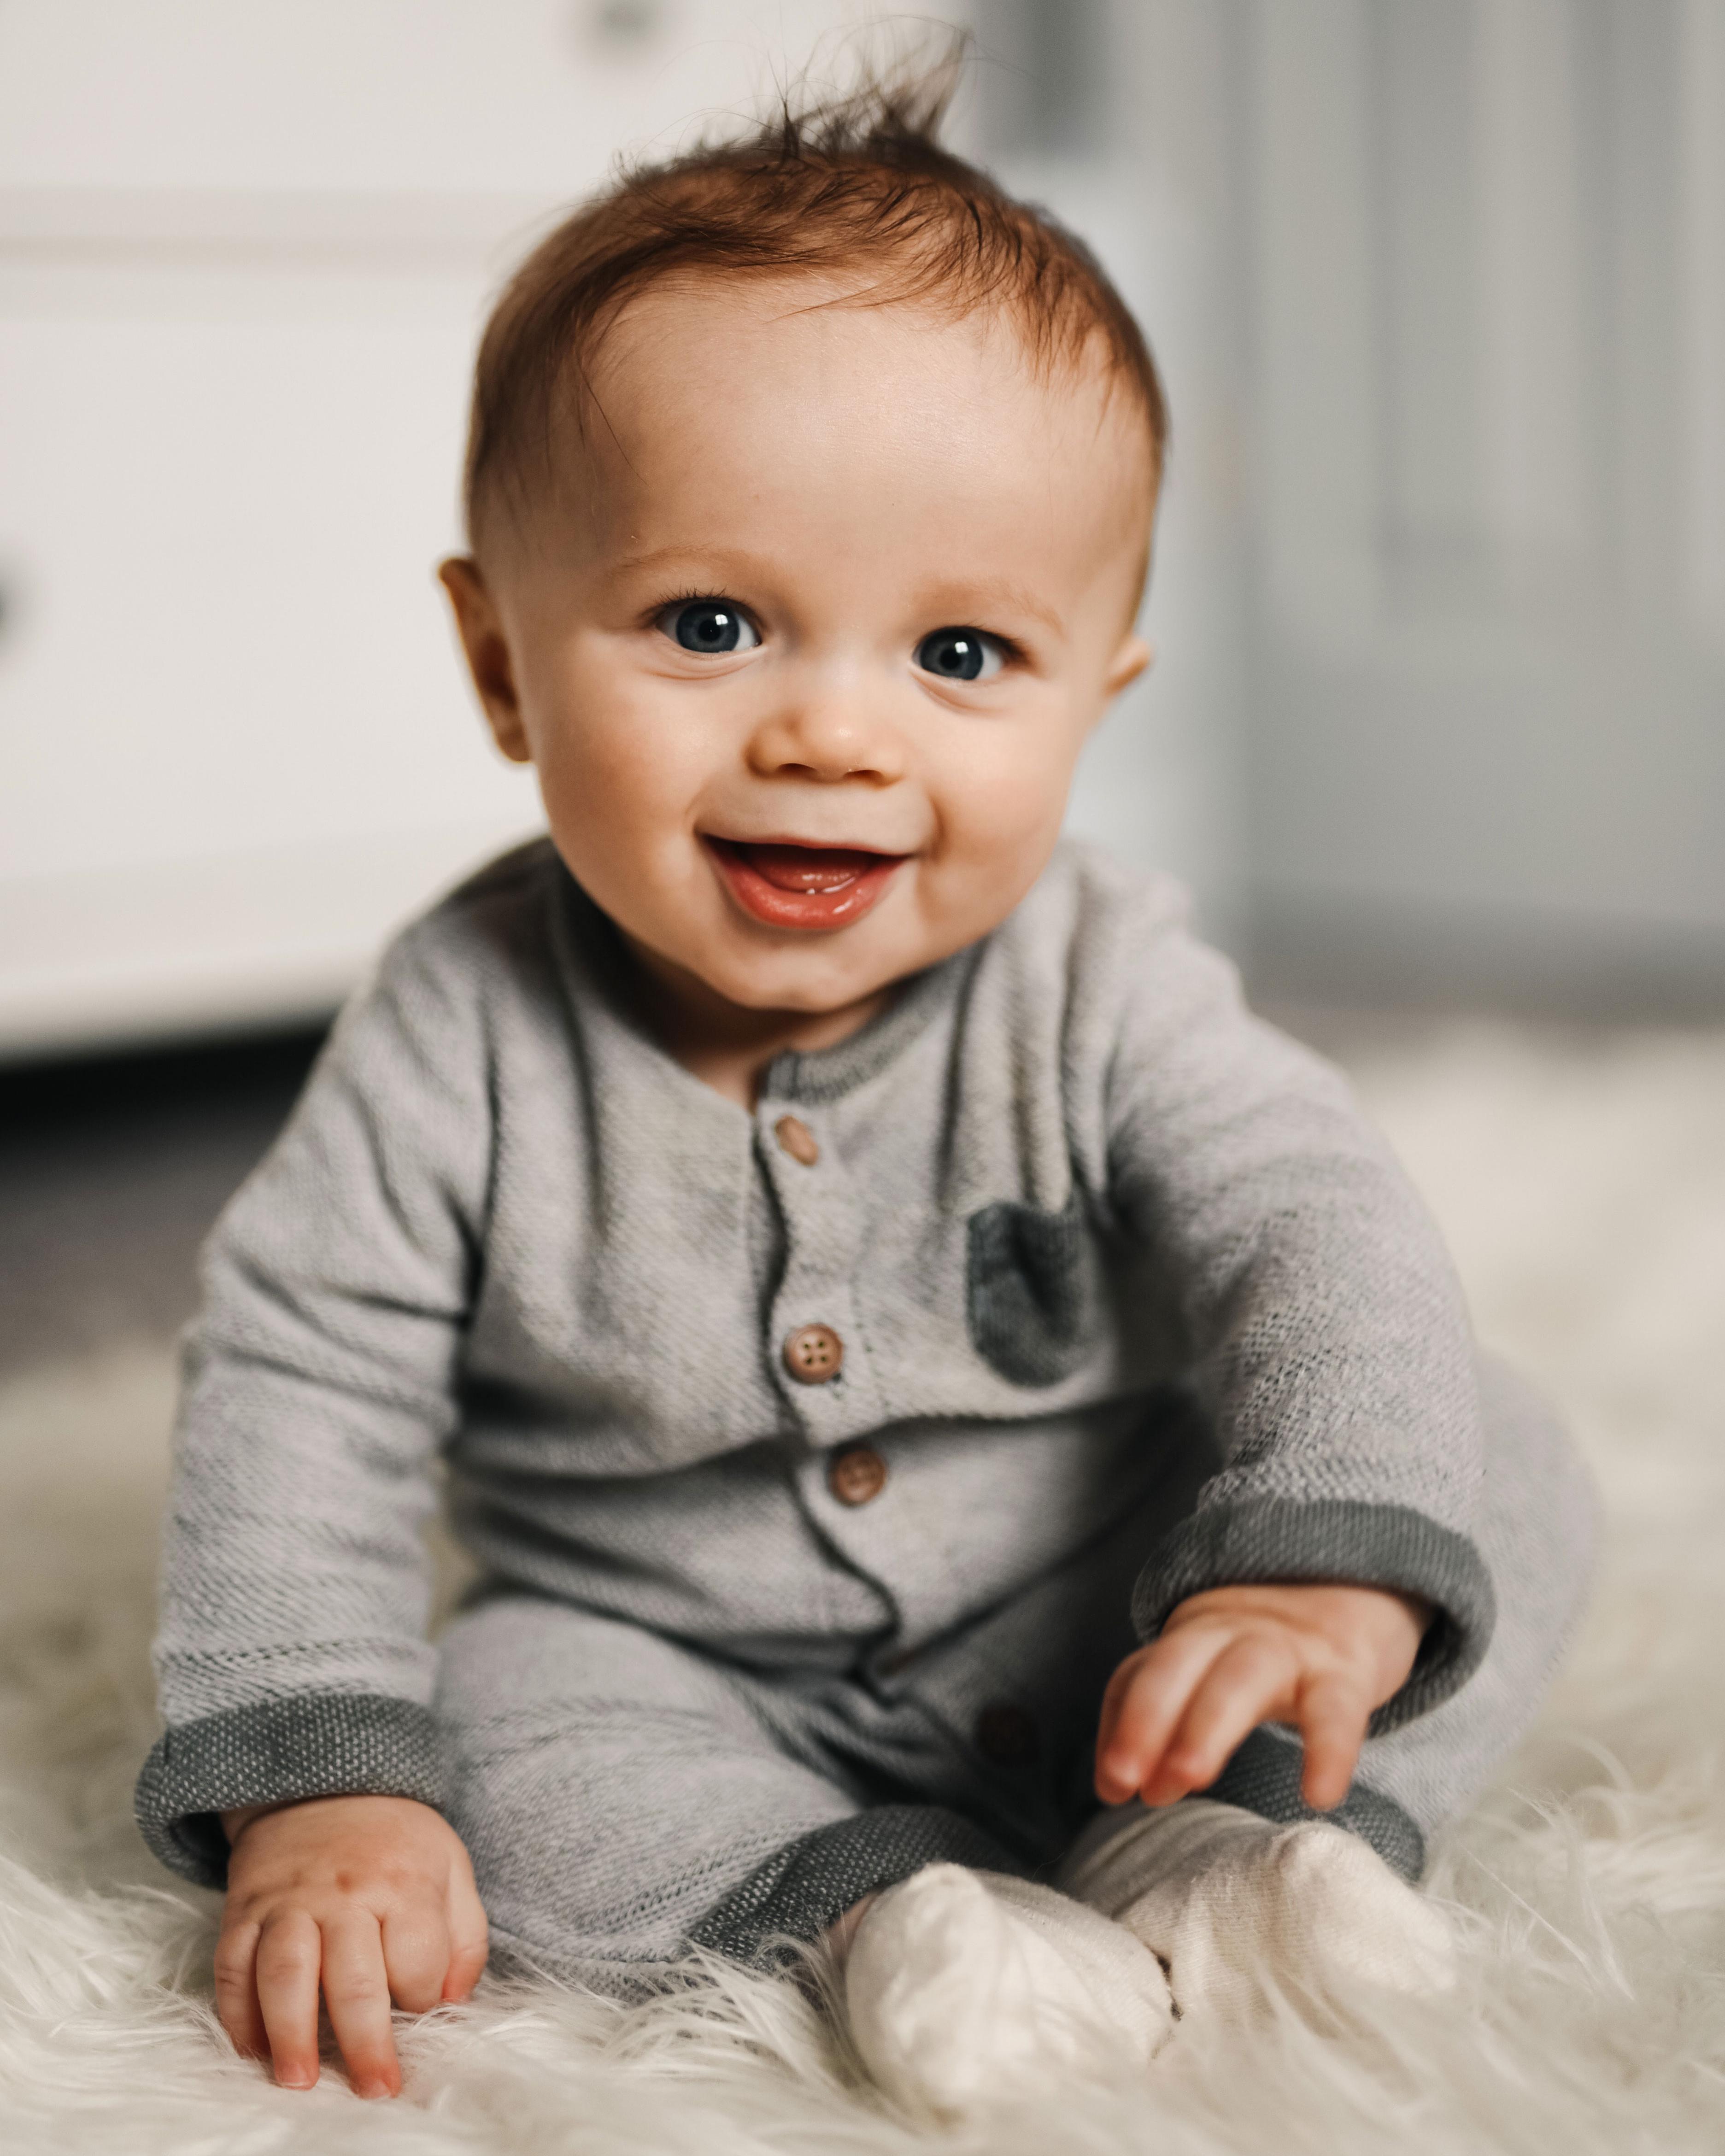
1282	1539
311	1744
810	1883
1264	1776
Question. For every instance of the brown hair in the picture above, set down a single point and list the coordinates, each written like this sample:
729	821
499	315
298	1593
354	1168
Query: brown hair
860	183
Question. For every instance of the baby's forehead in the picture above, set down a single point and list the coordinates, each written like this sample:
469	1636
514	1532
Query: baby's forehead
756	346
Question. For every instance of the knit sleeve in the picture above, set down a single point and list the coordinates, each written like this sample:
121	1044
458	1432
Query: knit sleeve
291	1658
1321	1316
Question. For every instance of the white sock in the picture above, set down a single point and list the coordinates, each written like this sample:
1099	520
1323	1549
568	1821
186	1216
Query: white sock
1225	1899
967	1990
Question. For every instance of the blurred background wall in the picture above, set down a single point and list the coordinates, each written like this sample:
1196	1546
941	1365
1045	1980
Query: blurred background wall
1438	286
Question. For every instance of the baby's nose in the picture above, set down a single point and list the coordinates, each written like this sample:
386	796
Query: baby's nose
827	738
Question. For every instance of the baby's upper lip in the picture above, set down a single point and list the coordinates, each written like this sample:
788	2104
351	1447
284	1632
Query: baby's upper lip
808	845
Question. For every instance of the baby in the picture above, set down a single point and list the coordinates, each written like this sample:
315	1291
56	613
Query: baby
927	1381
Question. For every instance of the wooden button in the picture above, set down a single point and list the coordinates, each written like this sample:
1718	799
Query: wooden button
857	1474
1007	1735
812	1354
797	1139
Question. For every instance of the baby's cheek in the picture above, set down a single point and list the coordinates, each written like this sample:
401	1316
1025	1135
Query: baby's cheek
999	822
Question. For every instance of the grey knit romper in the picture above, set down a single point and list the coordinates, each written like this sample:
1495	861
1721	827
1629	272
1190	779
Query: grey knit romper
822	1462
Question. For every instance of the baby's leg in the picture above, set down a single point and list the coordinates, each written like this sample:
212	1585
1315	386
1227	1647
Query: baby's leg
622	1802
611	1787
1247	1876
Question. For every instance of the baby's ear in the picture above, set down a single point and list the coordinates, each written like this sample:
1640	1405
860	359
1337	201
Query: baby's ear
1129	661
487	649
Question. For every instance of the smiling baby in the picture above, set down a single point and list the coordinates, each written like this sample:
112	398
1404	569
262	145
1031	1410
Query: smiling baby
928	1382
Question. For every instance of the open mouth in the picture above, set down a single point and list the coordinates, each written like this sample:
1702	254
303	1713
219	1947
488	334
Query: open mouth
788	885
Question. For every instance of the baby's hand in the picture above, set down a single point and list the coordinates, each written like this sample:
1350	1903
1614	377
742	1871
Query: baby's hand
1319	1657
370	1898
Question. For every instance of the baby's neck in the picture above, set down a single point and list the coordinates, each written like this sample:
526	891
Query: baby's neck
725	1044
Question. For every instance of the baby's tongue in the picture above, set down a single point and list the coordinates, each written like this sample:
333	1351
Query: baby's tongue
807	868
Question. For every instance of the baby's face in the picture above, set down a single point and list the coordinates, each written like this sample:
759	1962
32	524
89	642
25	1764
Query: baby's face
806	649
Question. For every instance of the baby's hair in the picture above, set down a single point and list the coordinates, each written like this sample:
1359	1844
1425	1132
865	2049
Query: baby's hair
858	184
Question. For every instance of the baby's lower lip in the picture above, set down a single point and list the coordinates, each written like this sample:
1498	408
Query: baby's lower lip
789	887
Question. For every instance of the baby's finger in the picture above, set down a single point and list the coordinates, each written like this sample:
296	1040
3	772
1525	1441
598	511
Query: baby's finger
1333	1716
290	1956
1149	1707
356	1988
1124	1673
237	1991
415	1956
1242	1687
469	1934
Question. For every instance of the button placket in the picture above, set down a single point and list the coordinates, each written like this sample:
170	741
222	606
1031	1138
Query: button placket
814	1340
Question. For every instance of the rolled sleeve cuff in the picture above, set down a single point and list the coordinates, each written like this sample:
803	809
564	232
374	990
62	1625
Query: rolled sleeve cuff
1330	1540
312	1744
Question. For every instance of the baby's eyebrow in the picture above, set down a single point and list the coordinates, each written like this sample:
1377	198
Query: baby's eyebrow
973	602
727	561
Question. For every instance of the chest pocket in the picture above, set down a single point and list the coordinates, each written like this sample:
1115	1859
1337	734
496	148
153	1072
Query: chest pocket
1031	1290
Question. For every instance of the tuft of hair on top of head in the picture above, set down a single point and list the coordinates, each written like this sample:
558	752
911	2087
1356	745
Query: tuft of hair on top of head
856	185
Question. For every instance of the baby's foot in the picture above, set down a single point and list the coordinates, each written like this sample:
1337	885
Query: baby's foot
1226	1900
967	1990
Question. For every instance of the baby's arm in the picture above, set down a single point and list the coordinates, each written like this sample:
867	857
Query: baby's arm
294	1672
1319	1657
1318	1317
365	1898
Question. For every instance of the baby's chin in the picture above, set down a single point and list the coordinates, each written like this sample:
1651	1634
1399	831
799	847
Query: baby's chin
807	984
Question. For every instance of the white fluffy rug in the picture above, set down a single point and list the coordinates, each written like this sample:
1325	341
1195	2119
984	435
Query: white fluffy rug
1583	1185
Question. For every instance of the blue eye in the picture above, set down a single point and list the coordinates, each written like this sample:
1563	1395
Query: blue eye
712	626
960	654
